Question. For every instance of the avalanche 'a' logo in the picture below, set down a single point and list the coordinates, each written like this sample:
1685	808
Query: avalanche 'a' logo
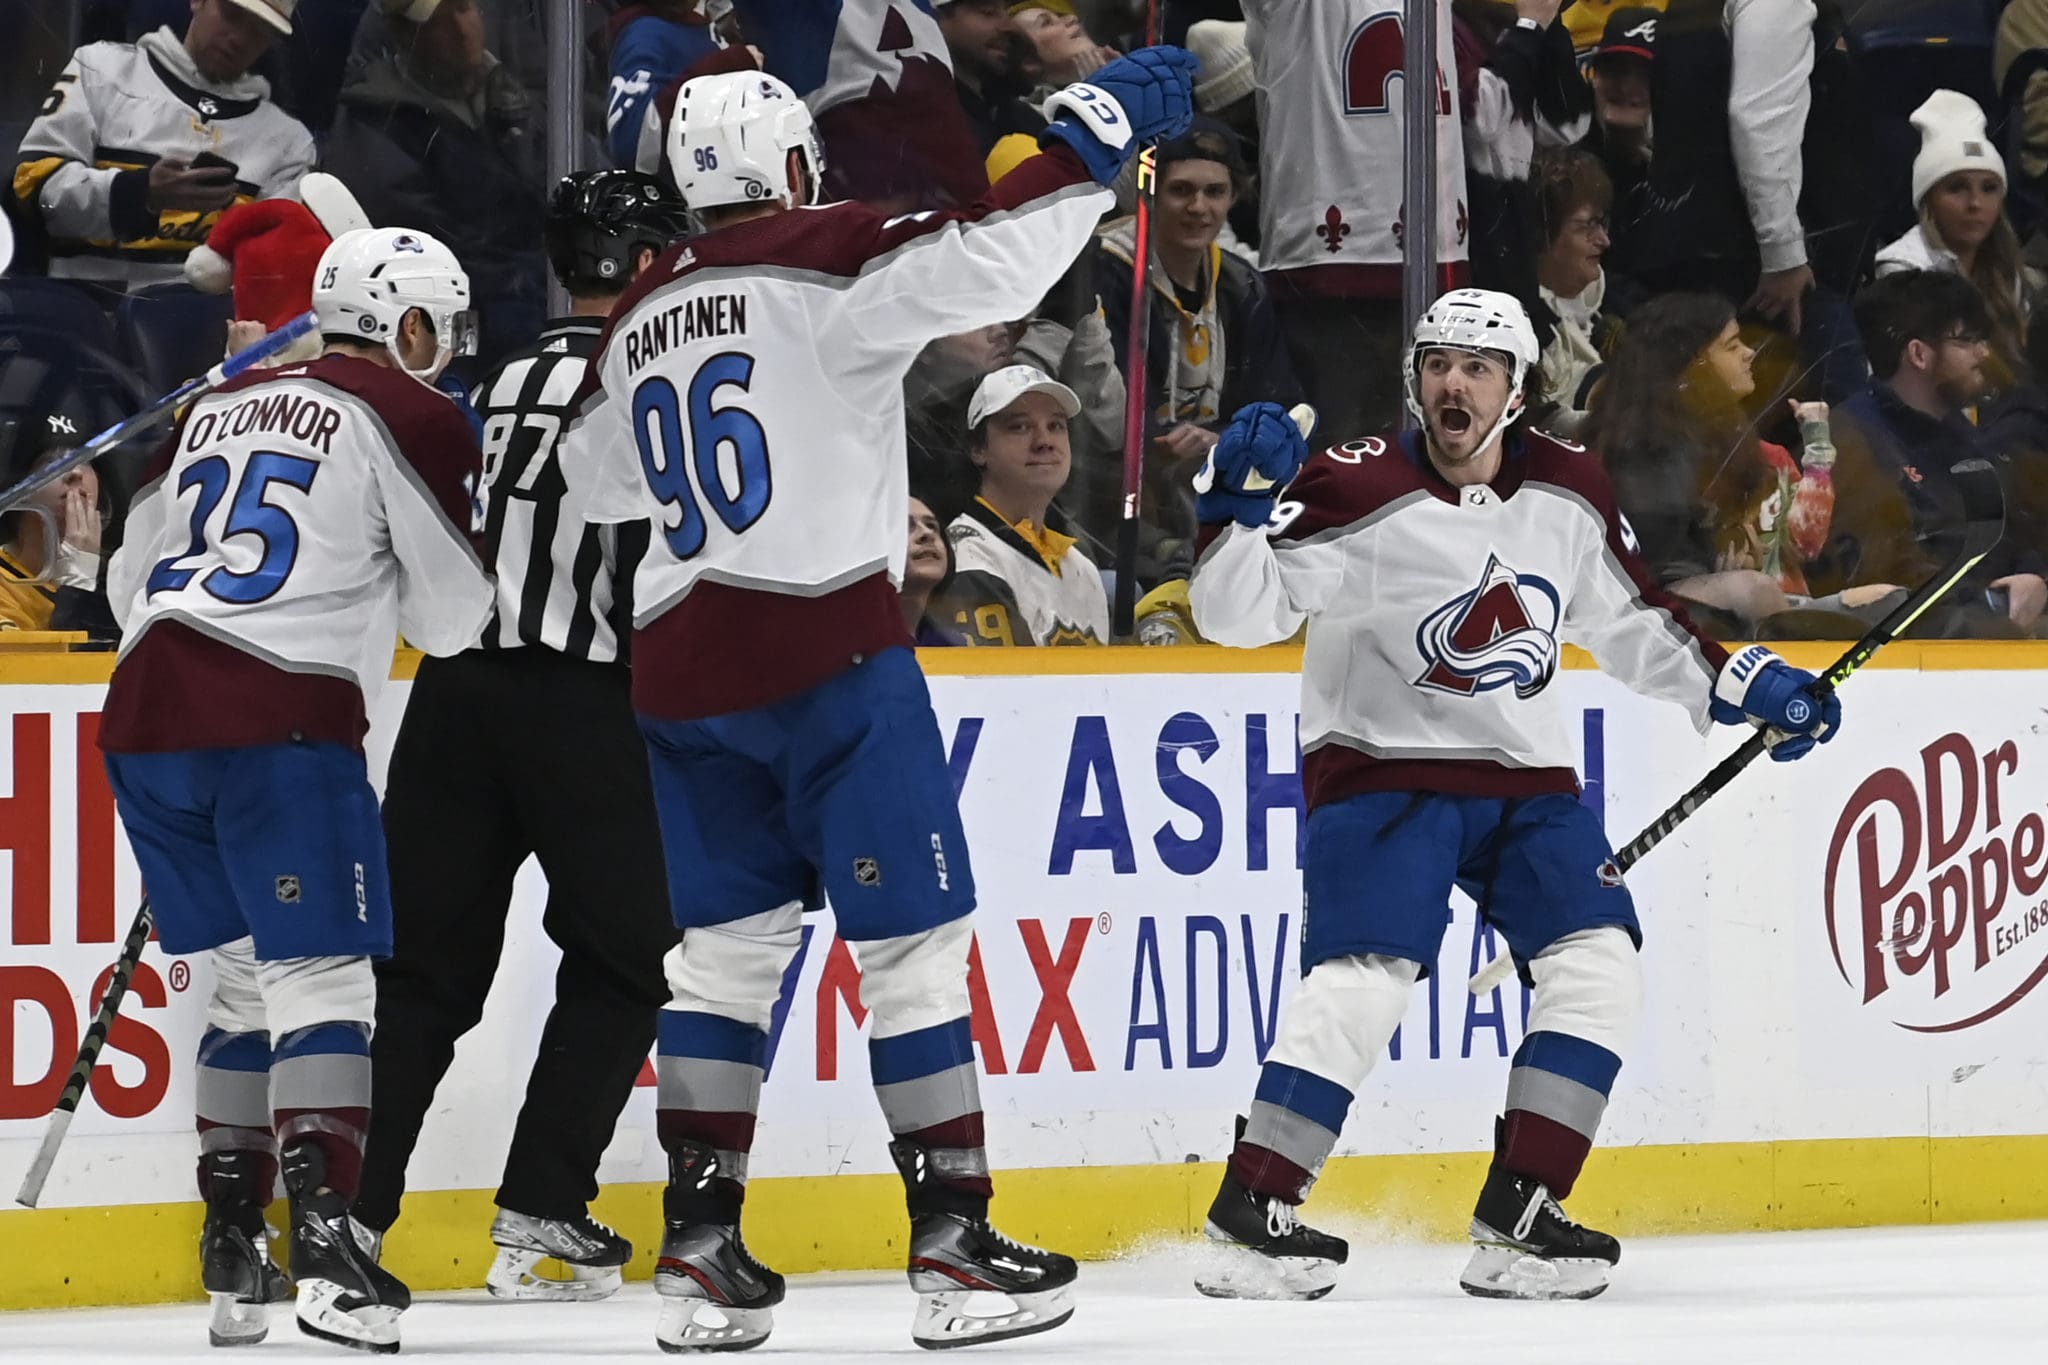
1502	633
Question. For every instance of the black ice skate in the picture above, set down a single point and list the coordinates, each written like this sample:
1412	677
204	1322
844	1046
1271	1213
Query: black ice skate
344	1296
1524	1247
714	1295
957	1259
234	1253
592	1252
1272	1253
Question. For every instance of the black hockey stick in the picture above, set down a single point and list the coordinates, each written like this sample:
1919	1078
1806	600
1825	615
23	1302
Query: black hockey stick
88	1057
1983	528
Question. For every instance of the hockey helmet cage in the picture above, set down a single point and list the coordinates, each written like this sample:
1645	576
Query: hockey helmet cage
370	278
597	222
1476	320
730	138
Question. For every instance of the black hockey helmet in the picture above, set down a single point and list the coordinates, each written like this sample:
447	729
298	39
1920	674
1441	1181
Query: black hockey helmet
598	220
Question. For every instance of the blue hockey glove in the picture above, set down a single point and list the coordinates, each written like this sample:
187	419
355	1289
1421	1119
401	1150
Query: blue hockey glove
1758	687
1258	454
1105	119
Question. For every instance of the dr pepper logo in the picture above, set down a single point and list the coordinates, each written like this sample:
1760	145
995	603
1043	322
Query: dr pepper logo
1934	888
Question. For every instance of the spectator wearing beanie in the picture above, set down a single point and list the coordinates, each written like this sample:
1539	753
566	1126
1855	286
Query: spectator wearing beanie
1959	190
1016	580
1227	85
439	135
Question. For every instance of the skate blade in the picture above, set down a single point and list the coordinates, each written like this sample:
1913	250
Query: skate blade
1506	1272
1233	1270
235	1323
372	1327
973	1317
688	1325
513	1276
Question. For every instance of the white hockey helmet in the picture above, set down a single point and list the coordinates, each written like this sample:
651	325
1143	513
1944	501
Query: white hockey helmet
1476	320
368	279
730	138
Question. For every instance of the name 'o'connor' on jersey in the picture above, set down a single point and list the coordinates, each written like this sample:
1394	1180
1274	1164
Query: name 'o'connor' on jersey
299	519
748	399
1436	615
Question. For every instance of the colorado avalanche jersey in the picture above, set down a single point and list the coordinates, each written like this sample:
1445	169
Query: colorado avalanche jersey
297	522
1330	105
1436	615
748	399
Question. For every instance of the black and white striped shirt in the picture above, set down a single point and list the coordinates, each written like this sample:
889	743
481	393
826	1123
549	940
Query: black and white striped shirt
563	583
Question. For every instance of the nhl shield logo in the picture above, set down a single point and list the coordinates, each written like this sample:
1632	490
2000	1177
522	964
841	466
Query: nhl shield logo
288	890
1500	633
867	872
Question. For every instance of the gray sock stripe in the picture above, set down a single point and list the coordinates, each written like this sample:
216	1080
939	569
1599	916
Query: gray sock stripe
1301	1140
327	1080
706	1086
930	1100
238	1098
1557	1098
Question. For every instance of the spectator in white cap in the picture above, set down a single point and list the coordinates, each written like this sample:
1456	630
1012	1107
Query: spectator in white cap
138	148
1226	84
1959	188
1016	580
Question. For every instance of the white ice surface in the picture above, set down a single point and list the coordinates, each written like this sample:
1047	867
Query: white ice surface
1920	1296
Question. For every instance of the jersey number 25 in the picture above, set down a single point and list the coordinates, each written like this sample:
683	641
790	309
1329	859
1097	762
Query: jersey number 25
659	422
251	514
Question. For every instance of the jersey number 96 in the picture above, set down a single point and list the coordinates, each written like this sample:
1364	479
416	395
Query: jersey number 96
658	426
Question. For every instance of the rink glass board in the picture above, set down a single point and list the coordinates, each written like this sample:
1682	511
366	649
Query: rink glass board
1844	960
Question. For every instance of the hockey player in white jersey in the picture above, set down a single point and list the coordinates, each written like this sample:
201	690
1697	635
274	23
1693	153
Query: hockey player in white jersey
297	520
1439	571
748	398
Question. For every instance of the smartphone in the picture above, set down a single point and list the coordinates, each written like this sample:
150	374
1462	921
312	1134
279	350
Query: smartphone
207	161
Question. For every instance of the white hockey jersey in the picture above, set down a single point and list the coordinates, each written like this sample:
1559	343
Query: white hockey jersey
1330	107
117	110
306	516
1004	592
748	398
1436	615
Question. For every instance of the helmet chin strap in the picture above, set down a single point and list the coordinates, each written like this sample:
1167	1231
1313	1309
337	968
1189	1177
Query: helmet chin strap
443	353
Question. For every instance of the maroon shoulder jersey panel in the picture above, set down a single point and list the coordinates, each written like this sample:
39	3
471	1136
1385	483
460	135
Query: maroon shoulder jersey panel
429	429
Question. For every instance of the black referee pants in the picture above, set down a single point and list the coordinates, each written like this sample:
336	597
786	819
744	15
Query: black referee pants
502	754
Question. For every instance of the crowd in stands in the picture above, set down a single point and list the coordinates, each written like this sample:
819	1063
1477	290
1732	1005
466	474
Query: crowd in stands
1784	256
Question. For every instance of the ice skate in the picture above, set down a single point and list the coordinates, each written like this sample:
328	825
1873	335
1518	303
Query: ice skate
592	1253
714	1295
344	1296
973	1284
1267	1252
1524	1247
240	1279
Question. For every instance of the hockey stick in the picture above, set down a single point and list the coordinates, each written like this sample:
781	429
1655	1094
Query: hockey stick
88	1057
1983	527
1138	347
129	428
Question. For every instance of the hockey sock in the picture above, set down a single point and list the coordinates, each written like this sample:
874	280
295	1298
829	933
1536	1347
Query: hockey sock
1557	1091
709	1069
1335	1028
320	1094
231	1099
931	1095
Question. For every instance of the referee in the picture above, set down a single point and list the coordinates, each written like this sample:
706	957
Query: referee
525	746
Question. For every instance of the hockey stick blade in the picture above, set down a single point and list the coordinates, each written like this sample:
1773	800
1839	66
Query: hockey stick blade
88	1056
1983	497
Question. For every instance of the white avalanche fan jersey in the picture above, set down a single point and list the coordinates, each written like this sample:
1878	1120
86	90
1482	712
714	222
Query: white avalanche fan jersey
1436	615
118	109
1330	104
748	398
306	516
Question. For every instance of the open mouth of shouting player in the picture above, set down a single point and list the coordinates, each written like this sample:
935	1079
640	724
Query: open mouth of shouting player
1465	397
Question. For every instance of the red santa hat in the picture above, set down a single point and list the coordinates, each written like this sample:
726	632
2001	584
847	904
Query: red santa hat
267	250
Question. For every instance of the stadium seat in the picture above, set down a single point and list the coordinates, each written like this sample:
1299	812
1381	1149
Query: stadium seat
172	332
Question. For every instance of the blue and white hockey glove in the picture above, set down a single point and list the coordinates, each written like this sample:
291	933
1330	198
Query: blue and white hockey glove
1106	118
1258	454
1756	686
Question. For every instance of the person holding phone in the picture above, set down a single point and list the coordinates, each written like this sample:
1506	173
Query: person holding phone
139	147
